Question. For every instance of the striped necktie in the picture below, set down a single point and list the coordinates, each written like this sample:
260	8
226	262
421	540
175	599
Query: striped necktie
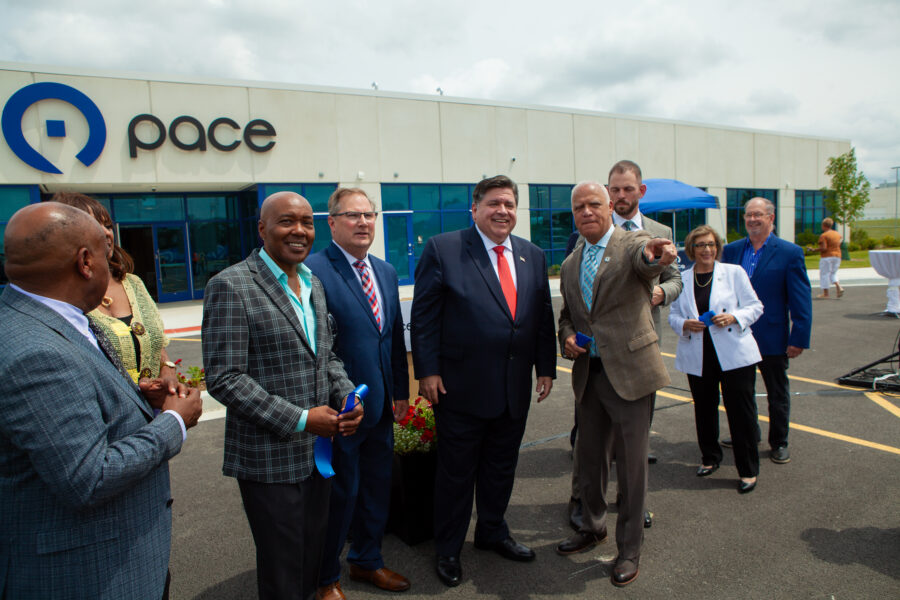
588	273
369	290
629	225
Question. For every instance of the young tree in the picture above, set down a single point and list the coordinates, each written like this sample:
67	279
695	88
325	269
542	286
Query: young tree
849	191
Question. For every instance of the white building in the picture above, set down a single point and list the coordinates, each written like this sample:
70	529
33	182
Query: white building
184	163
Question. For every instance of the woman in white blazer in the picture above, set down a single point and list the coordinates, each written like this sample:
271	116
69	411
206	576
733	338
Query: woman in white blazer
720	349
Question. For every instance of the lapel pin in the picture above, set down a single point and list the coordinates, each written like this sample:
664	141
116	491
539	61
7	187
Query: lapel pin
605	259
522	258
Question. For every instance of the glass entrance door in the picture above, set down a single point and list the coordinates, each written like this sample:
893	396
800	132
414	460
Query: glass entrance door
398	242
171	262
160	259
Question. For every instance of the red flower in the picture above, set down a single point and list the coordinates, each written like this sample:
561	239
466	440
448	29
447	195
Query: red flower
427	436
419	422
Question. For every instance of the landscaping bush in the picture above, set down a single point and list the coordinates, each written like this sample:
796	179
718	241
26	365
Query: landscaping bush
868	244
890	241
807	238
852	246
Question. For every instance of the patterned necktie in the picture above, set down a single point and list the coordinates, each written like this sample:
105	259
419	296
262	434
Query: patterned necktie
506	281
369	290
629	225
107	348
588	273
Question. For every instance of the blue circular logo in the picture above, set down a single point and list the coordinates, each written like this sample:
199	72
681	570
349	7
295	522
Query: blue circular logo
11	123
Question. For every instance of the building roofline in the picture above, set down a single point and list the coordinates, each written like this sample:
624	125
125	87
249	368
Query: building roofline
278	85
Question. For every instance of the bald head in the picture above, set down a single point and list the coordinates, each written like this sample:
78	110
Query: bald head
57	251
277	201
287	229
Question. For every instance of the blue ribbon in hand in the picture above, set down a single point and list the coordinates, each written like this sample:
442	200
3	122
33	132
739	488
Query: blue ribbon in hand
322	449
707	318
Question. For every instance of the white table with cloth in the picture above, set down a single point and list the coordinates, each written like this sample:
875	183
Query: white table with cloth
887	264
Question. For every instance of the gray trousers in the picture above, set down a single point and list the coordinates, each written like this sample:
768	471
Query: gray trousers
610	426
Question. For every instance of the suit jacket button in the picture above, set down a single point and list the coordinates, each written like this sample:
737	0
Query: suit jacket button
169	502
729	329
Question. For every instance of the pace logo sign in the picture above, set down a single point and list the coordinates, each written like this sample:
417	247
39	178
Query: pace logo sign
11	123
22	100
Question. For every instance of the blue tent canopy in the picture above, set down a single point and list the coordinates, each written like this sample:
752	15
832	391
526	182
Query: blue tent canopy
672	195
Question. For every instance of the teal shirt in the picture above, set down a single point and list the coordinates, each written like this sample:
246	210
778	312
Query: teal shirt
303	309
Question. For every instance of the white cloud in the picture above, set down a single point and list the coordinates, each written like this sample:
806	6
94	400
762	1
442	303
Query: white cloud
817	68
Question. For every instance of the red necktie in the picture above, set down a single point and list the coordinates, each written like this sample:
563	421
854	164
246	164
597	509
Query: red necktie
369	290
506	281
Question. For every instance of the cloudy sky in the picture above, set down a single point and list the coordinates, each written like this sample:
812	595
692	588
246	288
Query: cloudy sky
827	68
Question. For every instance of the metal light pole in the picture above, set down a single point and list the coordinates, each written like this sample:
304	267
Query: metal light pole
896	194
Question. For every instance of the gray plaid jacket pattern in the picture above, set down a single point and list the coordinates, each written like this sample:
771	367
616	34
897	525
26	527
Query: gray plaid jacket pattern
84	479
260	365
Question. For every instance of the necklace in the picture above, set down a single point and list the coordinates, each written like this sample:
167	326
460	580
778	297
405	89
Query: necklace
107	300
702	285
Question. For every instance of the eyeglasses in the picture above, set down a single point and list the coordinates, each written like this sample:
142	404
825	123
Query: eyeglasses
705	245
755	215
354	217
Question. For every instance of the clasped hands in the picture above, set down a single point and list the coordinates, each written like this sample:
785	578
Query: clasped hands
720	320
165	393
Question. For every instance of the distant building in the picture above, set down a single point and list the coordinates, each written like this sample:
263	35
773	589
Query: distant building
183	163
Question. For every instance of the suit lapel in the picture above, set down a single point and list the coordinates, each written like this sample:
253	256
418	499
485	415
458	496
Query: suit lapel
382	276
92	356
340	264
482	262
524	284
768	254
609	262
266	280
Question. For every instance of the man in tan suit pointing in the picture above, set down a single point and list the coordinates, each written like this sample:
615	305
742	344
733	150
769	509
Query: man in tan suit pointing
606	286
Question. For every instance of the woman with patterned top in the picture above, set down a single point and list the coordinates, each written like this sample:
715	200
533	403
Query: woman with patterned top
127	314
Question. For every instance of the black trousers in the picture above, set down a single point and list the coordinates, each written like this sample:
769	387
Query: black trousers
738	395
288	522
774	372
476	458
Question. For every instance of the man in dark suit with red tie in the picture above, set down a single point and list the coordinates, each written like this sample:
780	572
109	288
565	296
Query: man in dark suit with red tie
482	323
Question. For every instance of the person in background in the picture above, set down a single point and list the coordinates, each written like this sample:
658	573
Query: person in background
85	501
830	249
268	349
482	326
719	351
362	294
605	286
777	272
127	313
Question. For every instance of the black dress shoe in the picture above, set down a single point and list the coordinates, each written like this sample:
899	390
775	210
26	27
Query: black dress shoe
509	549
651	459
624	572
780	455
703	471
746	488
648	519
576	514
449	570
581	541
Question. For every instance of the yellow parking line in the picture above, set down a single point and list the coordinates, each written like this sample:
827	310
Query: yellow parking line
178	339
806	428
883	403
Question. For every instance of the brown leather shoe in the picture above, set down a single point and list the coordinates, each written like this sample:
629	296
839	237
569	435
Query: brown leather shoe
625	571
383	578
580	541
332	591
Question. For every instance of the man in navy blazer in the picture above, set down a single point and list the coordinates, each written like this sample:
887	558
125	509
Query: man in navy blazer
482	323
85	505
778	274
363	297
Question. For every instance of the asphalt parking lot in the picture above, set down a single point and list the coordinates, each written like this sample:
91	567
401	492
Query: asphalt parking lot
825	525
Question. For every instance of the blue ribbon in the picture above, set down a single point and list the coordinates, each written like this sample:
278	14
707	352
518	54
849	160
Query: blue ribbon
322	450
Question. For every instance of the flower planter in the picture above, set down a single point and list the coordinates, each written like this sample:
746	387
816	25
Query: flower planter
411	516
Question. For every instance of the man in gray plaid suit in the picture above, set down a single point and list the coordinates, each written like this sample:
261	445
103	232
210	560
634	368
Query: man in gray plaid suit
267	350
85	505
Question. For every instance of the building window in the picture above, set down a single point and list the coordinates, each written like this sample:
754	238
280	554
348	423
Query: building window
681	221
809	210
413	213
735	211
550	217
12	198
